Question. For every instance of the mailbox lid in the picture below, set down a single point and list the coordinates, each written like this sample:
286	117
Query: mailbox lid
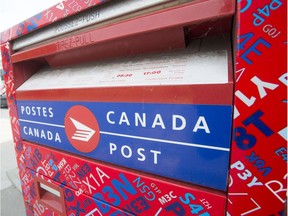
204	70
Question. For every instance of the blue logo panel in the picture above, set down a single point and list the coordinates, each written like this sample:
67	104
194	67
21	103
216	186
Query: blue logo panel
190	143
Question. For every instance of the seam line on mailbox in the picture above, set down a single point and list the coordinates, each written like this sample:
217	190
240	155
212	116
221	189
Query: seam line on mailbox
167	141
42	123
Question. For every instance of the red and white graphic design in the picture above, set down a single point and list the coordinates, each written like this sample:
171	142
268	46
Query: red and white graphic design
83	133
82	128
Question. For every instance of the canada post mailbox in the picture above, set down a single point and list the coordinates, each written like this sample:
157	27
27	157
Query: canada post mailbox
154	107
169	114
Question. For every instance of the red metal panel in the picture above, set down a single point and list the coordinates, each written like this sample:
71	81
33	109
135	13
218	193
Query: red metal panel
198	94
19	151
90	50
258	174
162	40
132	191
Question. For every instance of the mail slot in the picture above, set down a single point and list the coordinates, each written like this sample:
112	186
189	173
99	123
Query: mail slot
54	197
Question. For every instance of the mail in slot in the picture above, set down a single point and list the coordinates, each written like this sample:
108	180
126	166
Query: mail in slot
168	114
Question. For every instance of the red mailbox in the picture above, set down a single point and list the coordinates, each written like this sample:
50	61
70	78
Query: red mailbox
153	107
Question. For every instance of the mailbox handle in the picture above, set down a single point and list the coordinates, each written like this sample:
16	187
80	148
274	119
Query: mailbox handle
50	195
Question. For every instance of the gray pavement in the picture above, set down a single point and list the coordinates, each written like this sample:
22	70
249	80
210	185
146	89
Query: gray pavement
10	195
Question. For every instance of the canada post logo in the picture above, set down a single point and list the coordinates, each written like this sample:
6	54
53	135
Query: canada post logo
82	128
